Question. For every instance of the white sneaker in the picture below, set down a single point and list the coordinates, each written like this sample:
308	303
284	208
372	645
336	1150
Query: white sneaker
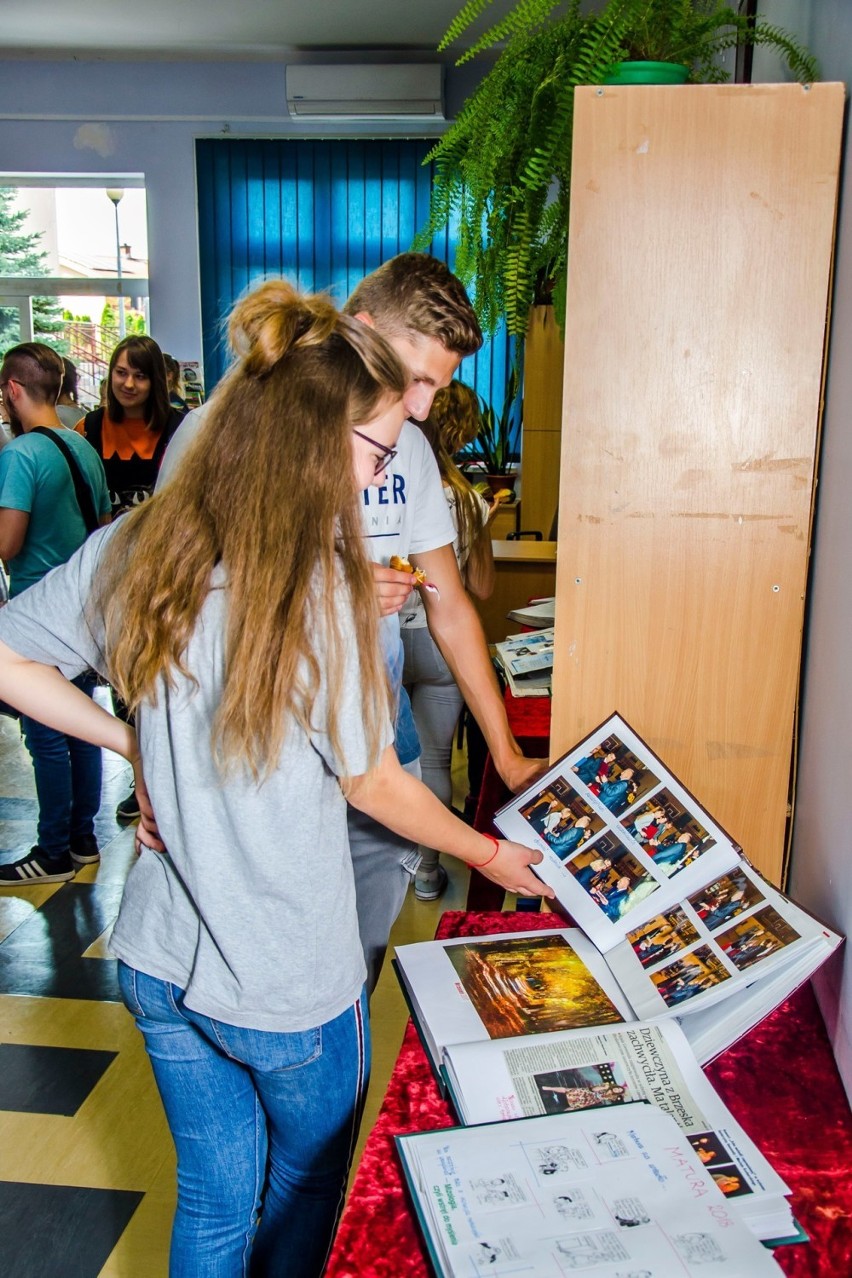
430	884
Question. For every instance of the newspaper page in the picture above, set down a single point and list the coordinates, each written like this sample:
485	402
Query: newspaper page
526	653
616	1192
563	1072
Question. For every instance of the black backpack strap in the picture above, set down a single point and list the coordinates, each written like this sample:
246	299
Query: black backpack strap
81	488
93	429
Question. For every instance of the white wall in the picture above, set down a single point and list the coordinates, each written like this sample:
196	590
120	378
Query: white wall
821	872
113	118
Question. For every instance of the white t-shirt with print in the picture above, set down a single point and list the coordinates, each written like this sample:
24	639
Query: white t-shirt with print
413	614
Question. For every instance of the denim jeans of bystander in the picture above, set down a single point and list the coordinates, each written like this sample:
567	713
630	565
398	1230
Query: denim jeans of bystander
68	782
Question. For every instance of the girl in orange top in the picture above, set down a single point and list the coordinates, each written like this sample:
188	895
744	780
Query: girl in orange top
132	432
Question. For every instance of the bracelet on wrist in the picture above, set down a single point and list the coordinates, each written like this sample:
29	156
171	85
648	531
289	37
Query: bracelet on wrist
496	842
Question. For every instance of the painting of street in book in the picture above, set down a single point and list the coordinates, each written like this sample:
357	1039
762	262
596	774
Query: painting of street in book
530	985
756	937
615	774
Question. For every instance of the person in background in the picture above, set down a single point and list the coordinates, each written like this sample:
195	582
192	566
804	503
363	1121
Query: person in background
436	701
131	433
41	525
240	622
68	410
173	382
130	436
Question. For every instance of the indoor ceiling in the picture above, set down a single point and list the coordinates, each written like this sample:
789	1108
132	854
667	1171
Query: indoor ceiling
224	28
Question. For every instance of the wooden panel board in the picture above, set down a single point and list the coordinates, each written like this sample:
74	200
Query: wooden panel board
544	355
699	265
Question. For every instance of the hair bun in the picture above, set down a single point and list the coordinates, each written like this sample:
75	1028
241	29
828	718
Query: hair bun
274	319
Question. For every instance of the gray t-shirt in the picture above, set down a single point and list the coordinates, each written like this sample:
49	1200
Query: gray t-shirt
253	910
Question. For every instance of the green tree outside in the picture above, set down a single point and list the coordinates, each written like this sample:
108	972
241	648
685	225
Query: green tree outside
20	255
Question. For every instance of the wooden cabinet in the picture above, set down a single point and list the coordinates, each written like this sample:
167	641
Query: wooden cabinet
523	570
700	249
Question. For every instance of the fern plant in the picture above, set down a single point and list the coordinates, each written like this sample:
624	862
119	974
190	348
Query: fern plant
504	166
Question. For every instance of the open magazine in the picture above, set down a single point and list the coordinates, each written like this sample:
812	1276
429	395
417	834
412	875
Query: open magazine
621	1192
532	1023
527	662
683	920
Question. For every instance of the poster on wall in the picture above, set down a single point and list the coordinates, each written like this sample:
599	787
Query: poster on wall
192	376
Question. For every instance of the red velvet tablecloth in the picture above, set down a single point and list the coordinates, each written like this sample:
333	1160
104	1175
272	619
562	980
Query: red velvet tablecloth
780	1081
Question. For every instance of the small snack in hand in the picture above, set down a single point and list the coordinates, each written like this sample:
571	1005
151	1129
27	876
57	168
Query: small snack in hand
402	565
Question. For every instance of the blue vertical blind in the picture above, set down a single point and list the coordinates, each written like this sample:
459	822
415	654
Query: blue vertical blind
322	213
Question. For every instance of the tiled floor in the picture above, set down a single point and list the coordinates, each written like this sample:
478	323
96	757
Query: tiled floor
86	1161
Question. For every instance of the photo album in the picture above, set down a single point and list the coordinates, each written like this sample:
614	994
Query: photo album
681	947
683	921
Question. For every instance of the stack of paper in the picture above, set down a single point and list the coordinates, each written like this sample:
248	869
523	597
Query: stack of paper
537	614
527	662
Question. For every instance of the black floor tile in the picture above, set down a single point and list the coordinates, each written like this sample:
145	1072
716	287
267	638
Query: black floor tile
52	1230
43	957
49	1080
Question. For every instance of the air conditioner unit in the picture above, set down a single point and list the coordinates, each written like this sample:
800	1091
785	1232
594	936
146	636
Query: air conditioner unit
366	92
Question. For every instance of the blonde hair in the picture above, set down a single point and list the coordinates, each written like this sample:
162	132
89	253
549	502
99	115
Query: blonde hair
267	490
416	295
454	421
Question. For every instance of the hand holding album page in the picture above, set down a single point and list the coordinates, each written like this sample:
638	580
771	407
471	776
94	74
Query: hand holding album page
683	919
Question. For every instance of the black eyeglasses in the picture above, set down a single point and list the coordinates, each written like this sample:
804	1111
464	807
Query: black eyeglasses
387	454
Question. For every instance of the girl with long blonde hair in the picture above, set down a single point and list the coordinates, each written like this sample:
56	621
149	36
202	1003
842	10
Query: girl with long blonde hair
236	614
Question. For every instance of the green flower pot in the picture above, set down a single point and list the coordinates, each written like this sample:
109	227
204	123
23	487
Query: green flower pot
647	73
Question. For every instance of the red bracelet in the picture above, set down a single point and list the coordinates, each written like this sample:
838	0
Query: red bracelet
496	843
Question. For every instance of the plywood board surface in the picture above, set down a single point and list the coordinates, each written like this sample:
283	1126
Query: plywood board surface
701	236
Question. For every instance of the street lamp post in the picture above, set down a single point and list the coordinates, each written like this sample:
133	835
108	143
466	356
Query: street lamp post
116	195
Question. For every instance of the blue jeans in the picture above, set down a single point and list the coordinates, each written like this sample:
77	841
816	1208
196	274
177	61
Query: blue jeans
67	780
264	1125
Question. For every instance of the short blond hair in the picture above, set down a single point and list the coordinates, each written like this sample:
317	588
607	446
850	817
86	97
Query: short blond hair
416	295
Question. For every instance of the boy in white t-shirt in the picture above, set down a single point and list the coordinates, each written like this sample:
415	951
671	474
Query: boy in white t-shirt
423	311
